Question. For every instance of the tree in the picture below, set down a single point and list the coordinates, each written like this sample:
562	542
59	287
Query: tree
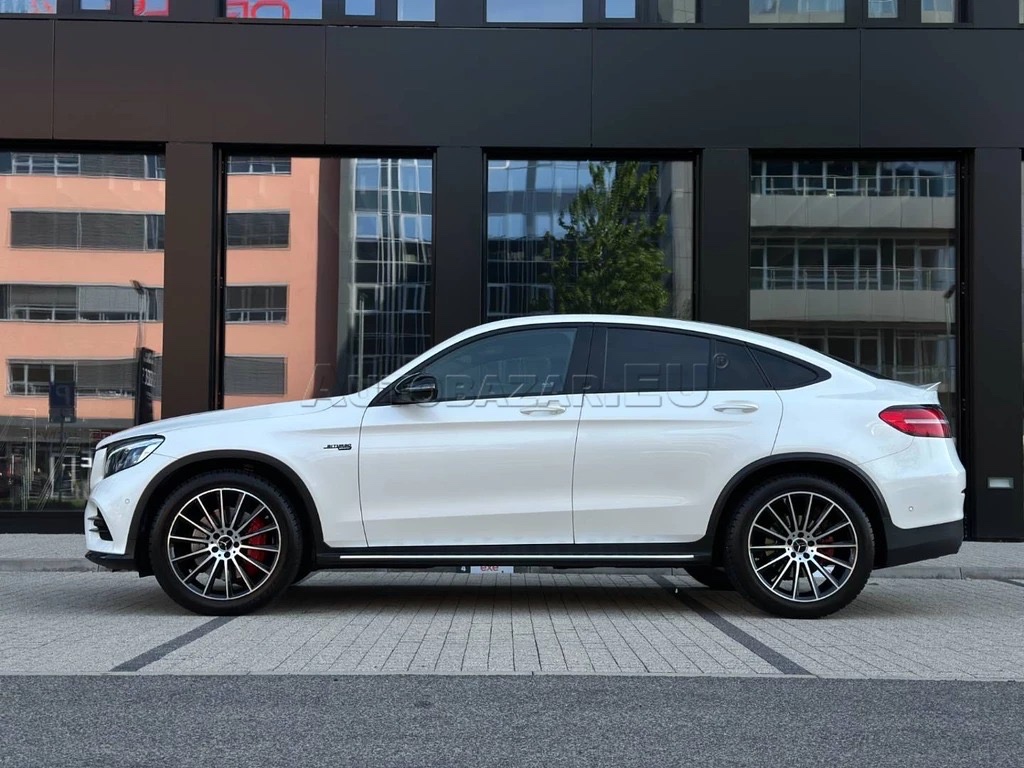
609	260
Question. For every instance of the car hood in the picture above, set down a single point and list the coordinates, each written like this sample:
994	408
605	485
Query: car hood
224	418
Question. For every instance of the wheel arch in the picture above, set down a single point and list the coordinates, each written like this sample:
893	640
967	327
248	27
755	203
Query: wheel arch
267	467
842	472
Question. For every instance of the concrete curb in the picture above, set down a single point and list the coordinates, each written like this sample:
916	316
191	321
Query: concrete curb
948	572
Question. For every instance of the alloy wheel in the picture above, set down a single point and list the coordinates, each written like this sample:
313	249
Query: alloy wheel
802	546
224	544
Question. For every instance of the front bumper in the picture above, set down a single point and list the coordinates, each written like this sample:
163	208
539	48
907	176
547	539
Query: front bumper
911	545
112	562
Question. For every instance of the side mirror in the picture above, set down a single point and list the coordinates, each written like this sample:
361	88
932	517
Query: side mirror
419	388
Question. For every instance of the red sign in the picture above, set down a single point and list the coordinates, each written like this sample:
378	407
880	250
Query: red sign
250	9
151	7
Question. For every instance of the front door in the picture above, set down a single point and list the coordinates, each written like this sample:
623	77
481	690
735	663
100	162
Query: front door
490	461
674	417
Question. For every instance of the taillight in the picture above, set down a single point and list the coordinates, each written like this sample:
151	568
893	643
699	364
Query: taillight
917	420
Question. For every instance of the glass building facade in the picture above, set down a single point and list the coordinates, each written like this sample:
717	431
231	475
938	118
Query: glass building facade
230	228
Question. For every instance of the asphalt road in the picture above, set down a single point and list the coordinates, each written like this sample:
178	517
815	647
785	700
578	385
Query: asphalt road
452	721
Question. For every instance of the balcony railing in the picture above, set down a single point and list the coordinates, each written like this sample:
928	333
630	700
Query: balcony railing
852	278
854	186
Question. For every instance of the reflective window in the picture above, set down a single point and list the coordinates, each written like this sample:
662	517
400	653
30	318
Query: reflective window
858	259
940	11
328	272
151	7
797	11
360	7
733	368
94	5
28	6
677	11
620	9
81	304
535	11
640	360
415	10
514	364
883	9
545	218
784	372
273	9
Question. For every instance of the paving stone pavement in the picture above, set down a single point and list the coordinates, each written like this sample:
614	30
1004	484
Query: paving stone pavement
448	623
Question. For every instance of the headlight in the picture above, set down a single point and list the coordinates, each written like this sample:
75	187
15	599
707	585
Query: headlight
128	454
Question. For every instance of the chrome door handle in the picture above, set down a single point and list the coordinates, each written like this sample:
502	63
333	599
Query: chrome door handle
552	409
736	407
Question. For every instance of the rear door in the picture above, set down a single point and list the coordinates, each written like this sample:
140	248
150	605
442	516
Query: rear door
669	419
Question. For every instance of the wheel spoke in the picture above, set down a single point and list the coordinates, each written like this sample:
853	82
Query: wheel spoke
242	573
227	579
829	508
825	572
792	512
253	562
223	512
198	569
190	555
782	573
260	532
832	530
837	546
259	549
847	566
771	562
212	577
810	578
238	508
785	527
188	538
796	578
769	546
252	517
213	524
191	522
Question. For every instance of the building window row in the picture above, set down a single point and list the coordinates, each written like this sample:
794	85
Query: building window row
81	303
87	230
75	164
46	302
853	177
117	378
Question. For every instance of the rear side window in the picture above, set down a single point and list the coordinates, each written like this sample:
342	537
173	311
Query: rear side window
783	372
733	368
640	360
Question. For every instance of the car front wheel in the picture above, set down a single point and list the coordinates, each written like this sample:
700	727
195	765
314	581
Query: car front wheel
799	546
225	543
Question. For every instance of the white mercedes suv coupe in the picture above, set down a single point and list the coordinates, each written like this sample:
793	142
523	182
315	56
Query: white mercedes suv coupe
753	463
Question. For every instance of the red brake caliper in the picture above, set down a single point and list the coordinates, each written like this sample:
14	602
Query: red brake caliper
256	541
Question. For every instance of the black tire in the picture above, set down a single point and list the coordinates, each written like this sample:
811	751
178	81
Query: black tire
302	574
710	577
788	493
265	583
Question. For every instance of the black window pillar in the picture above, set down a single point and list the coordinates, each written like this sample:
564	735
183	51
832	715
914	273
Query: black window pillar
723	241
459	195
192	320
993	375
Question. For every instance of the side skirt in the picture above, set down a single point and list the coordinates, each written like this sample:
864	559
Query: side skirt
565	556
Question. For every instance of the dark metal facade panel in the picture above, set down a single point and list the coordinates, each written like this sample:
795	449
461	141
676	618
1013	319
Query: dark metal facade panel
993	377
458	87
192	307
723	245
459	184
165	81
26	88
942	88
755	88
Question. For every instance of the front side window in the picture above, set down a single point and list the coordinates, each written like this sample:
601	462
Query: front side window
641	360
522	363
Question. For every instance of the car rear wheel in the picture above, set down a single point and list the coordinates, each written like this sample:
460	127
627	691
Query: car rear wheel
225	543
710	576
799	546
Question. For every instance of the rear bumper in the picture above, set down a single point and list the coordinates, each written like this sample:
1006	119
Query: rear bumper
111	562
911	545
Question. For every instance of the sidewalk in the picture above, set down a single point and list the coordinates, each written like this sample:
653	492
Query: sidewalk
976	560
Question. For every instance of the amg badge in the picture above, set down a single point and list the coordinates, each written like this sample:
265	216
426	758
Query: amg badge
338	447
